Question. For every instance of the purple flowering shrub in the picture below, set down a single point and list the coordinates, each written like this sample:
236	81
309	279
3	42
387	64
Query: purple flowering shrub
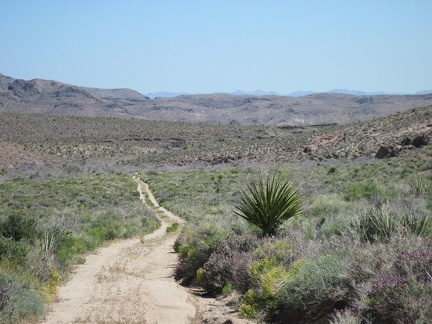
404	293
195	245
229	264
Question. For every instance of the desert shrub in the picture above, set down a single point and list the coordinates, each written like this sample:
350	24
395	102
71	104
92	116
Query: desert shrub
276	249
41	264
149	223
18	299
416	263
12	250
229	264
19	226
326	205
326	215
393	281
396	299
266	273
370	260
267	276
347	316
111	227
70	246
312	290
364	189
172	228
429	202
251	305
268	202
195	245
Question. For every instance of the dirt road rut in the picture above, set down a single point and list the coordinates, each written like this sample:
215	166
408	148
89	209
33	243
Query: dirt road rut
127	282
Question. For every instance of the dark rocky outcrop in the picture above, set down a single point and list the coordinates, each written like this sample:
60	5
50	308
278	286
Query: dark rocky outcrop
387	151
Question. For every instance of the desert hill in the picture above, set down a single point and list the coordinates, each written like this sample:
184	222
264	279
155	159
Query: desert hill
38	138
56	98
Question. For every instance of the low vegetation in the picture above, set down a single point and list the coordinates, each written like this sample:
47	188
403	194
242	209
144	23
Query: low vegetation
359	252
340	261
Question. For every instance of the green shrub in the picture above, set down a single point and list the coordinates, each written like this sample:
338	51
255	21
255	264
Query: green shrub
250	306
72	245
195	245
19	226
227	289
381	223
276	249
346	316
12	250
267	274
311	291
172	228
18	299
364	189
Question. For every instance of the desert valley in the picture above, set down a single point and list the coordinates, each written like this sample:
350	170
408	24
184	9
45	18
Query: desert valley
276	209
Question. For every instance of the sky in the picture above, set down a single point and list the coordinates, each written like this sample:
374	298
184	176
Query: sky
207	46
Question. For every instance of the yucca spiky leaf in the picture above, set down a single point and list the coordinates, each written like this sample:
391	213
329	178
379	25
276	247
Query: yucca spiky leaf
268	202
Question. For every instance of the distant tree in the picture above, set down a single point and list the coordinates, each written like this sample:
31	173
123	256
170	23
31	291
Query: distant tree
268	202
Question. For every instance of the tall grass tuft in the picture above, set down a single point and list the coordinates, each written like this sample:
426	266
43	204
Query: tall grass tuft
420	186
375	223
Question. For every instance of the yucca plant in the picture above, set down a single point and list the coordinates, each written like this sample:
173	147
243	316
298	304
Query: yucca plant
269	201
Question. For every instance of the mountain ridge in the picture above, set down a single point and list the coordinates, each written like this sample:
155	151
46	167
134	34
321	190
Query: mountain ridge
298	93
57	98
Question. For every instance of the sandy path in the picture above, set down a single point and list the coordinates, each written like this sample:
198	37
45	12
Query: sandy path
127	282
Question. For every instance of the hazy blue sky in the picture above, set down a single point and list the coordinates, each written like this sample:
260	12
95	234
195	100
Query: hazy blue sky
214	46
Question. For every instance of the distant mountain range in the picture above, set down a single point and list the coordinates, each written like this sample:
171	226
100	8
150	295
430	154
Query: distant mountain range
265	108
299	93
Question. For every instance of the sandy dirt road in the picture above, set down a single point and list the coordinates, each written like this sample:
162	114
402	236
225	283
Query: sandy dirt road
128	281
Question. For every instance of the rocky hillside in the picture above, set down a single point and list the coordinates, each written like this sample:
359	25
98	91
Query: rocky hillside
41	139
55	98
